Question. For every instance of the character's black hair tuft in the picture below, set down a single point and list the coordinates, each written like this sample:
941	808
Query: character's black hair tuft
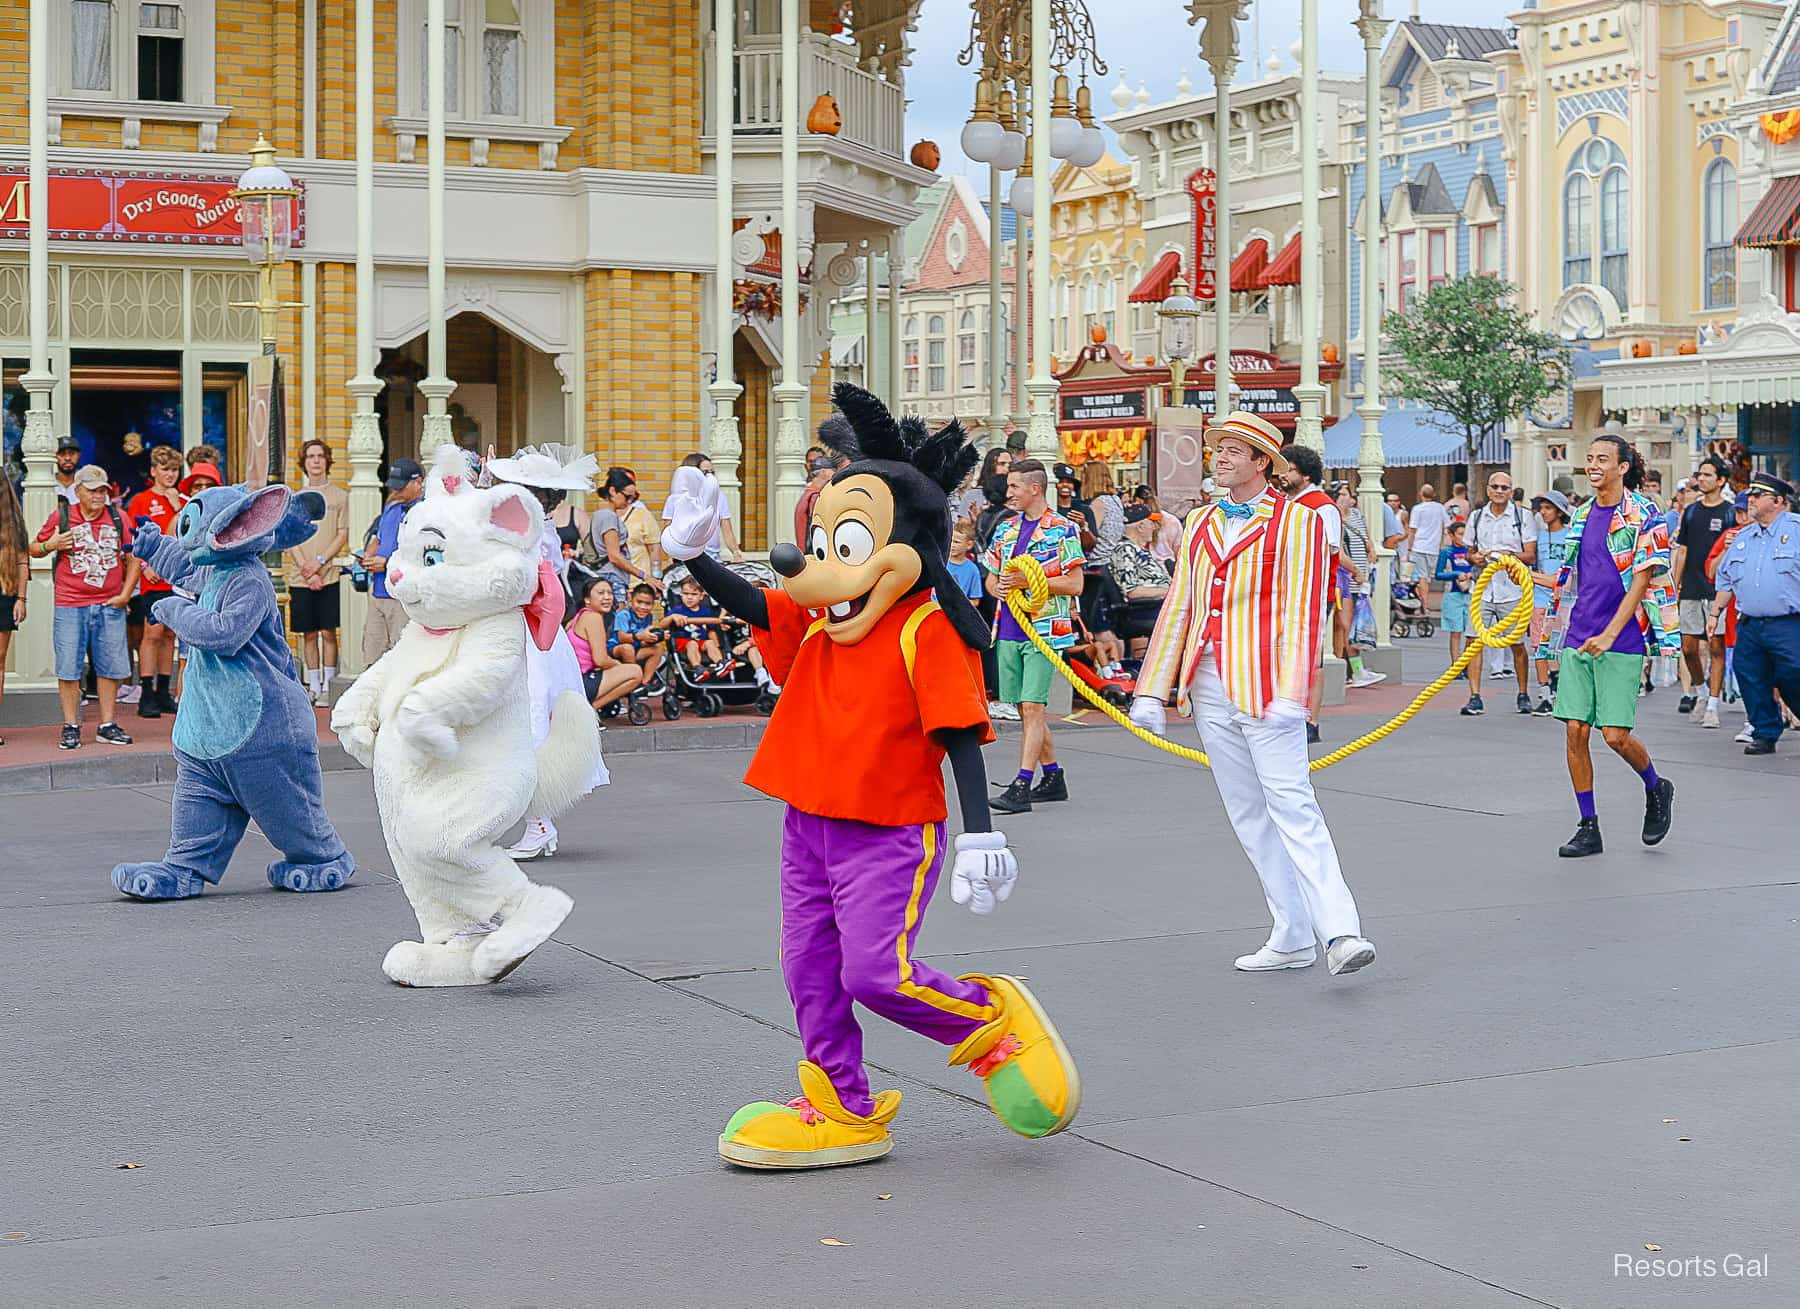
873	432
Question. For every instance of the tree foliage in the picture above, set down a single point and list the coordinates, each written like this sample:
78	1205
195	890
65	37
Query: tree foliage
1471	357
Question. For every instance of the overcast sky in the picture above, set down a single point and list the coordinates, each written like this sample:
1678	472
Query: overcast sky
1151	41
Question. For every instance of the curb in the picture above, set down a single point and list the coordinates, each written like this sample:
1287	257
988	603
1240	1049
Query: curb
154	768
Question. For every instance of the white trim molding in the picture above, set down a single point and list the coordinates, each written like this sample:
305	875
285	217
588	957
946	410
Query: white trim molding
479	133
131	115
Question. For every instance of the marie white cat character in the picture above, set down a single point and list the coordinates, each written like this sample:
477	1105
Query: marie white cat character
444	721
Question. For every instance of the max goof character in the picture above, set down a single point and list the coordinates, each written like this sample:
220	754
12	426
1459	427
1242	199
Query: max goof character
880	682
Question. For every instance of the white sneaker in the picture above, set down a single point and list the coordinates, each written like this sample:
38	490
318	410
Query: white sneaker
1746	736
538	839
1347	954
130	693
1268	960
1711	717
1006	712
1368	677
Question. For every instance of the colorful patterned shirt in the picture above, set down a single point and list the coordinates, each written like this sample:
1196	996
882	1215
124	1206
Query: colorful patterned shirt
1638	540
1056	544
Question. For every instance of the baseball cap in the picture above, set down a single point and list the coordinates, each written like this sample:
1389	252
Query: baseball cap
1136	514
90	477
1065	473
66	443
402	471
1557	498
1742	501
821	464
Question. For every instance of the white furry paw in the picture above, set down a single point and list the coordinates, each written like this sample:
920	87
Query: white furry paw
423	733
532	922
415	963
358	740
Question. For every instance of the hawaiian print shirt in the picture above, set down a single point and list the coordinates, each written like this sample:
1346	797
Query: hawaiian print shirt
1056	544
1639	542
1132	567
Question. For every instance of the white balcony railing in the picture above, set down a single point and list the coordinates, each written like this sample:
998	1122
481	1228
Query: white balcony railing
873	109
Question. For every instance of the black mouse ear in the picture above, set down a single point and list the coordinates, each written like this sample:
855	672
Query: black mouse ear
877	434
947	457
836	434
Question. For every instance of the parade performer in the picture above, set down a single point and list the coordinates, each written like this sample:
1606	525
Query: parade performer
444	719
246	738
879	682
549	472
1613	606
1238	639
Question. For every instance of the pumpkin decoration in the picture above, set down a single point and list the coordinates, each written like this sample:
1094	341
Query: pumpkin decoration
1640	349
1687	348
926	155
1329	353
1097	333
825	117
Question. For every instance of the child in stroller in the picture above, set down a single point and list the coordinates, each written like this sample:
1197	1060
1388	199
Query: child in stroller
738	676
1407	615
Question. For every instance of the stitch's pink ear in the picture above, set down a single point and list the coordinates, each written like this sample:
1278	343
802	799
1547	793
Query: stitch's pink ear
509	514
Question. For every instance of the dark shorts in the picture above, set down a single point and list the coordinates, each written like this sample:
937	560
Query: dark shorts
6	613
140	607
313	611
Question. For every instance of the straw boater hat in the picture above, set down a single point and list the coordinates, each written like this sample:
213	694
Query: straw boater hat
1258	433
552	467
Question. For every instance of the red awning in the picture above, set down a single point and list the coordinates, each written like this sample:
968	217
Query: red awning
1154	289
1284	269
1776	218
1247	268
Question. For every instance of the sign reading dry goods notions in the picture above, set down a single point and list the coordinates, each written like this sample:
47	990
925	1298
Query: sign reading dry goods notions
117	205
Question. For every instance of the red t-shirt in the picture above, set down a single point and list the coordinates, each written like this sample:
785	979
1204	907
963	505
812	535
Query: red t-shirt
159	508
852	737
92	571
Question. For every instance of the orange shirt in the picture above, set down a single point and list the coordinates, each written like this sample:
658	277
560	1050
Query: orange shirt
851	736
160	508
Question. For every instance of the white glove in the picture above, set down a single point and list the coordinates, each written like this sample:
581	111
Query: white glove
1147	713
695	508
358	740
984	873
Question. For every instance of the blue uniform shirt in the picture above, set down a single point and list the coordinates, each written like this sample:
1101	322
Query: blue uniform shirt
1762	568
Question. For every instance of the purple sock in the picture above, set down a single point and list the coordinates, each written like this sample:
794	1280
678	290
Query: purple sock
1585	801
1648	773
1025	774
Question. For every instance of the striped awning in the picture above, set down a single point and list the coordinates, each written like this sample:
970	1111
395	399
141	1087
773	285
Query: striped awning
1247	269
1776	218
1284	268
1154	289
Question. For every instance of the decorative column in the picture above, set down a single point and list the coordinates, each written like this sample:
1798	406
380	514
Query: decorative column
871	316
1221	57
724	444
1041	442
365	425
1370	458
1024	236
794	388
996	356
896	275
34	655
1310	430
436	386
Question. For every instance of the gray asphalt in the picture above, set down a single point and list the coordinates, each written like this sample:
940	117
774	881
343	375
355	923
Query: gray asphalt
1552	1066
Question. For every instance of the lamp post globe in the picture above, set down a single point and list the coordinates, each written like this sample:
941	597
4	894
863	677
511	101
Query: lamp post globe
1178	316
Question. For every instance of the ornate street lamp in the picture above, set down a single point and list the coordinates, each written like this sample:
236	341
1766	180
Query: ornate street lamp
1179	315
265	197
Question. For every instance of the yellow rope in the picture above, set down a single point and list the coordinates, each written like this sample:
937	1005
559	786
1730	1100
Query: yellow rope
1031	598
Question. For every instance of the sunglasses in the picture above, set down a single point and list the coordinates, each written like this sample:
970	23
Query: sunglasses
1755	491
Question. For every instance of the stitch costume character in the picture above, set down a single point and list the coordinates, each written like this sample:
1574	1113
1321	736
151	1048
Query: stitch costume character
444	720
246	739
880	682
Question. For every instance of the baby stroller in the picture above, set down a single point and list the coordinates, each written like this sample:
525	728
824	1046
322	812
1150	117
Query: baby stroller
708	690
1116	691
1407	615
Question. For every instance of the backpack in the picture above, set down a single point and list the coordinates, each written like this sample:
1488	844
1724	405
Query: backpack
1475	517
63	520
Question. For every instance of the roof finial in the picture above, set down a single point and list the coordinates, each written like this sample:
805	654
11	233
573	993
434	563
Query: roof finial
1452	50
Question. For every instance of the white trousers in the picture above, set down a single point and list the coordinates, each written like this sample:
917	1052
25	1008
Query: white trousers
1260	765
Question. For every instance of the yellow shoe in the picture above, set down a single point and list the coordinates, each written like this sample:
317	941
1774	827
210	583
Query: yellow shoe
811	1131
1030	1076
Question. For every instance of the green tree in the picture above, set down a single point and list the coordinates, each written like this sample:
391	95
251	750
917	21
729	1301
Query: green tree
1471	357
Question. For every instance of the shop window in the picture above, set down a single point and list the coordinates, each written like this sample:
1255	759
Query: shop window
935	378
1487	249
1598	165
90	45
452	58
911	349
1109	302
502	57
1437	245
159	46
1719	202
967	363
1578	230
499	50
1406	269
157	51
1615	235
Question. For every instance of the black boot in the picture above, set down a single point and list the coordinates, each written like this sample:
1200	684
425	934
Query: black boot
1659	809
1053	786
1015	799
148	705
1586	840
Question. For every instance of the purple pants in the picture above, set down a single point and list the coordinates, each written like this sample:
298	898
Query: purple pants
852	898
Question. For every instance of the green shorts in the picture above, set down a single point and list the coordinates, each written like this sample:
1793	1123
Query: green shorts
1024	673
1599	690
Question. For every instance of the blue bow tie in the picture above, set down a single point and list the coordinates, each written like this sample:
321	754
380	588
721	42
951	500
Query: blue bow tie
1235	510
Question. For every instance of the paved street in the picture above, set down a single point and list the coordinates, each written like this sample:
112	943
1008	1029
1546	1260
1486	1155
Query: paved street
1550	1065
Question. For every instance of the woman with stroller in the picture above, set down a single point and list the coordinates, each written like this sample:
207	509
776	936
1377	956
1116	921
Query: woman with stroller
608	541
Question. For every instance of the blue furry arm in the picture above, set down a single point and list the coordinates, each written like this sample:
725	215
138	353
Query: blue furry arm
244	601
164	555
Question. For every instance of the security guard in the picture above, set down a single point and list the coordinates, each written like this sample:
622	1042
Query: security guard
1762	569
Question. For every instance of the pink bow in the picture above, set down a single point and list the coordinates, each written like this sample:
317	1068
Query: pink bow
543	612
